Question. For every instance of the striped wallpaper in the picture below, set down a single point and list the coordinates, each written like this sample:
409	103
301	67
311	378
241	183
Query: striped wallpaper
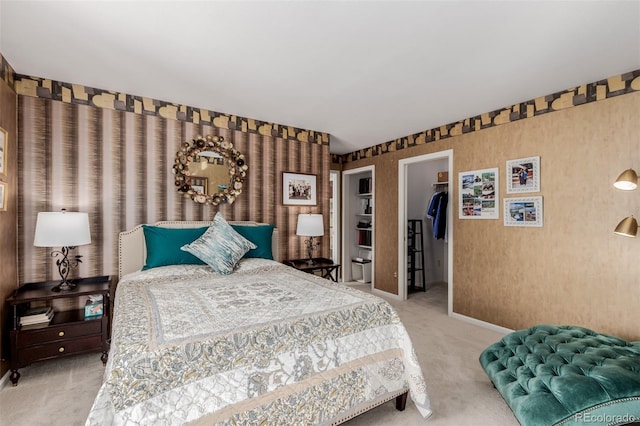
117	166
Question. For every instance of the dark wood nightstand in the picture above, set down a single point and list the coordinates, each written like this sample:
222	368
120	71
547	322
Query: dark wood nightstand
68	332
326	267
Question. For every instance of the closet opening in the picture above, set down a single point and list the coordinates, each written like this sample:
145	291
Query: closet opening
425	204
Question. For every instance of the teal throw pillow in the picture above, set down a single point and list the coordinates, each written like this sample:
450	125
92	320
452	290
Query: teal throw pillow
261	236
220	247
163	246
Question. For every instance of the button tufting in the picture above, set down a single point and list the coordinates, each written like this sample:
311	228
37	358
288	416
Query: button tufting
556	360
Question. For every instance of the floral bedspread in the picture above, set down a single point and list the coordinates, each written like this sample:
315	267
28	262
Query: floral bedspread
267	343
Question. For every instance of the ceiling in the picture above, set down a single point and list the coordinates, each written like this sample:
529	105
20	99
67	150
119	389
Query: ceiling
366	72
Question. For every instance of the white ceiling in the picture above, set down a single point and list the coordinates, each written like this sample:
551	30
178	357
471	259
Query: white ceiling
366	72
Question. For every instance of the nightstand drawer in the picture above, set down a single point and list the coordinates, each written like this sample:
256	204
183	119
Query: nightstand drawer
60	332
56	349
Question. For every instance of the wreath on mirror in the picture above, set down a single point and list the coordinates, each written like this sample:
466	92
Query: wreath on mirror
190	150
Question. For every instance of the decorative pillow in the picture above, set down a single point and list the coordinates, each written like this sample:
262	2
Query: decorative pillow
220	246
163	246
261	236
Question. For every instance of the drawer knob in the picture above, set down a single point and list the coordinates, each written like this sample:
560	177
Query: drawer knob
61	334
61	349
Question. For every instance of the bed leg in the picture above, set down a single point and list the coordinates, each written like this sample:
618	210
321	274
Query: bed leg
401	401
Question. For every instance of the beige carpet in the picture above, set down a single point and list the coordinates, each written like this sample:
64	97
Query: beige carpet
61	392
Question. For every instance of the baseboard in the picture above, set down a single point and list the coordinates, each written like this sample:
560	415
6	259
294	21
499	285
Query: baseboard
482	324
5	379
386	294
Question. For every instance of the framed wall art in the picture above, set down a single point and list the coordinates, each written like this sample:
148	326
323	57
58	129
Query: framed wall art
299	189
523	175
3	197
523	211
4	142
479	194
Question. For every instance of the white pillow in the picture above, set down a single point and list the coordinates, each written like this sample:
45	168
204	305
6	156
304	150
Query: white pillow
220	247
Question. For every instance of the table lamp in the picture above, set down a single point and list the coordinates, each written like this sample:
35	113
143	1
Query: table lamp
67	230
310	225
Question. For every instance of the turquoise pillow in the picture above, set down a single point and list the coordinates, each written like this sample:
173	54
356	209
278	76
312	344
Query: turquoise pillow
163	246
220	247
261	236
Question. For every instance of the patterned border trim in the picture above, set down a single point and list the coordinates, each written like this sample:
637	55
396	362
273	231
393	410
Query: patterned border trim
592	92
78	94
7	74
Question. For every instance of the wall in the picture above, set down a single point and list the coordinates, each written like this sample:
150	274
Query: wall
8	218
573	270
112	155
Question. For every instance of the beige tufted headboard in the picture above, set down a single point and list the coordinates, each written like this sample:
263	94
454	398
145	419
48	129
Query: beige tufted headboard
132	251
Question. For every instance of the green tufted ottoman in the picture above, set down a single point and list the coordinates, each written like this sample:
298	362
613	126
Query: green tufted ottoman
565	375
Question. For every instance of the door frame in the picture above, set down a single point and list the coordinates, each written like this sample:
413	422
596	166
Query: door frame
402	222
334	218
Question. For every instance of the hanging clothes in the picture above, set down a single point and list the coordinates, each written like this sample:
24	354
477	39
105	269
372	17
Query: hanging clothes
437	212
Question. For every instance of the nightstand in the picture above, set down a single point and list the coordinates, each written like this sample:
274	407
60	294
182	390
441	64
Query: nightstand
68	332
326	267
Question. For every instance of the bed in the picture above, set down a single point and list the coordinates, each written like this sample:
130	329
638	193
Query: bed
264	344
566	375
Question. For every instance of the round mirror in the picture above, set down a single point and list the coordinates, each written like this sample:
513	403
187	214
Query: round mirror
210	170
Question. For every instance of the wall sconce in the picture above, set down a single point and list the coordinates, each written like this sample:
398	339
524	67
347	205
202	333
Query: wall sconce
67	230
310	225
627	181
628	227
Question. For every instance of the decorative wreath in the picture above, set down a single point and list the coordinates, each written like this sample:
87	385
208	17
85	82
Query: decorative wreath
237	169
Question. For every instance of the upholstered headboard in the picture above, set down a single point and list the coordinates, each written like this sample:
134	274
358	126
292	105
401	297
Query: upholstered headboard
132	250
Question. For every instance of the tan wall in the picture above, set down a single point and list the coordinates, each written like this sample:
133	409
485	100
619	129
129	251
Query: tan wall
573	270
8	218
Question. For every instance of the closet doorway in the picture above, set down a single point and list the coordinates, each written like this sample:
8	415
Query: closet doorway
417	182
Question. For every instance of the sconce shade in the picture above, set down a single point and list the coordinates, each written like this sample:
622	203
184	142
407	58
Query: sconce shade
628	227
310	225
62	229
627	181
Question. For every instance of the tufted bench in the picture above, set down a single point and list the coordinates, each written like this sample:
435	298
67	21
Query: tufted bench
565	375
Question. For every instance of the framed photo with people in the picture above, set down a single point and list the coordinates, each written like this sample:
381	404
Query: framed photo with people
479	194
299	189
523	175
523	211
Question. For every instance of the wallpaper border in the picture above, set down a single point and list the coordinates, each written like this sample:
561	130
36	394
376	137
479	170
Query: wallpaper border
83	95
7	74
580	95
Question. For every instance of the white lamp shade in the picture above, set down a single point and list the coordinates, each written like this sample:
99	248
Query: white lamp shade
62	229
310	225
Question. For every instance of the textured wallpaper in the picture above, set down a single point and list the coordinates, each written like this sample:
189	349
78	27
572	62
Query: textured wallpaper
117	166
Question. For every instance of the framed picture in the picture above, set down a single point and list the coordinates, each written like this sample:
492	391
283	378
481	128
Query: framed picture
525	211
200	184
4	142
299	189
479	194
3	197
523	175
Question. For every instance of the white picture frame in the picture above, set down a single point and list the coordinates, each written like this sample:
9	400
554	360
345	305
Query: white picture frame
4	142
479	194
299	189
3	197
523	211
523	175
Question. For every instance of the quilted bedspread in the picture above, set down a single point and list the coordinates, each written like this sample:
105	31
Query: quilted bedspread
267	344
